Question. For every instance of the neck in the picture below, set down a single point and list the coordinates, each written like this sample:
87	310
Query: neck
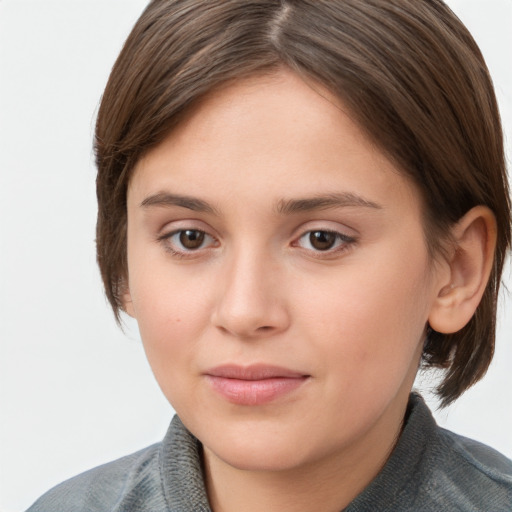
328	484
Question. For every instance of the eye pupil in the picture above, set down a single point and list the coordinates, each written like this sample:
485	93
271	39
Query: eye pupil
191	238
322	240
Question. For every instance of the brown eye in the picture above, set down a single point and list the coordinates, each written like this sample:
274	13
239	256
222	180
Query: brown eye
191	238
190	243
322	240
325	241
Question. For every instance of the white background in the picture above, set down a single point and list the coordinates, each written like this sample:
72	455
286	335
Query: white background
74	390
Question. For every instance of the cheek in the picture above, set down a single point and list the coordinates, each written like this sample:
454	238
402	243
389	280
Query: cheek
370	320
172	316
363	301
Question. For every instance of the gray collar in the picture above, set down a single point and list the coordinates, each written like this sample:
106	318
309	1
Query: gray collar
183	479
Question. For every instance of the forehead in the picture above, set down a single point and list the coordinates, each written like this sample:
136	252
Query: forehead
275	131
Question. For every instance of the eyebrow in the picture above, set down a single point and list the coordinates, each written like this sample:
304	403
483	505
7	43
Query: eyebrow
323	202
165	199
284	206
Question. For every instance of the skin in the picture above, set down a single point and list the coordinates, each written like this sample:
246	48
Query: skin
351	319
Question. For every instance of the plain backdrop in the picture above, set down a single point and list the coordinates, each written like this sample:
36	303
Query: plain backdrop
74	390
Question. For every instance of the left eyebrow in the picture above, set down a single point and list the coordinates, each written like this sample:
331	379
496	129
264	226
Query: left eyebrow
323	202
164	199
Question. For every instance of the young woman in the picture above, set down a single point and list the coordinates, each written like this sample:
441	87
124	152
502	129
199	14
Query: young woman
301	202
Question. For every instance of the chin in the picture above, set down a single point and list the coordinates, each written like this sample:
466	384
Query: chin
254	458
260	449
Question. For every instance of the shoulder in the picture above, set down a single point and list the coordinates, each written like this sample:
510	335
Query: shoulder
123	482
434	469
463	474
483	458
478	471
162	478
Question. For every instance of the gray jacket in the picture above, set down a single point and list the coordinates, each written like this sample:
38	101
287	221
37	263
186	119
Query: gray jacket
430	469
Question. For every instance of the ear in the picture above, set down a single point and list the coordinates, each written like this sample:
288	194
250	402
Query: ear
470	264
127	301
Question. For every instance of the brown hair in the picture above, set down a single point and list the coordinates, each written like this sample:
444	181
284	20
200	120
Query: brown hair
410	73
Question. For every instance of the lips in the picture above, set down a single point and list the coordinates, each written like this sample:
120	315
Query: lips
254	385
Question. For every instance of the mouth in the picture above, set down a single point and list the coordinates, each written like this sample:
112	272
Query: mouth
255	384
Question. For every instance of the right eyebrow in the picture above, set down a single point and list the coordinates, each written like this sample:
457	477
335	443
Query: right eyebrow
324	202
165	199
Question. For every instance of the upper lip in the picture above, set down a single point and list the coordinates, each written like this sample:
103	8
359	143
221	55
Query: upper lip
253	372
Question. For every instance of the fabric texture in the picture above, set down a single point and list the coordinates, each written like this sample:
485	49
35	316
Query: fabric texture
430	469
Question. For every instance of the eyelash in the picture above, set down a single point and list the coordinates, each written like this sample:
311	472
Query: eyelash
341	242
167	241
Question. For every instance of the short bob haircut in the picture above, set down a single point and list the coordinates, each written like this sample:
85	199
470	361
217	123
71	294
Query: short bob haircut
410	74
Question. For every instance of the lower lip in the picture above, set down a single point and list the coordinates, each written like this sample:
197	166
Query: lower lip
255	392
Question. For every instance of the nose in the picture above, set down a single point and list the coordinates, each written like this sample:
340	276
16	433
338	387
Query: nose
251	302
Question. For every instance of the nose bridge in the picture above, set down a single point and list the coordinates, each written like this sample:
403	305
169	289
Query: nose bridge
250	302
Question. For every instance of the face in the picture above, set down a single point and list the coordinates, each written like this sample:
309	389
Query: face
279	275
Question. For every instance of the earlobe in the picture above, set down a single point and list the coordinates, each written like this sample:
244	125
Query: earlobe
127	302
470	266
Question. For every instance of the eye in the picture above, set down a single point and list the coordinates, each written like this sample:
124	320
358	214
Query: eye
324	240
191	238
187	240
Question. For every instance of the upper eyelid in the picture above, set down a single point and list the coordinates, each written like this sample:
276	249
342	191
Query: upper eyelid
328	226
172	232
174	226
342	236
